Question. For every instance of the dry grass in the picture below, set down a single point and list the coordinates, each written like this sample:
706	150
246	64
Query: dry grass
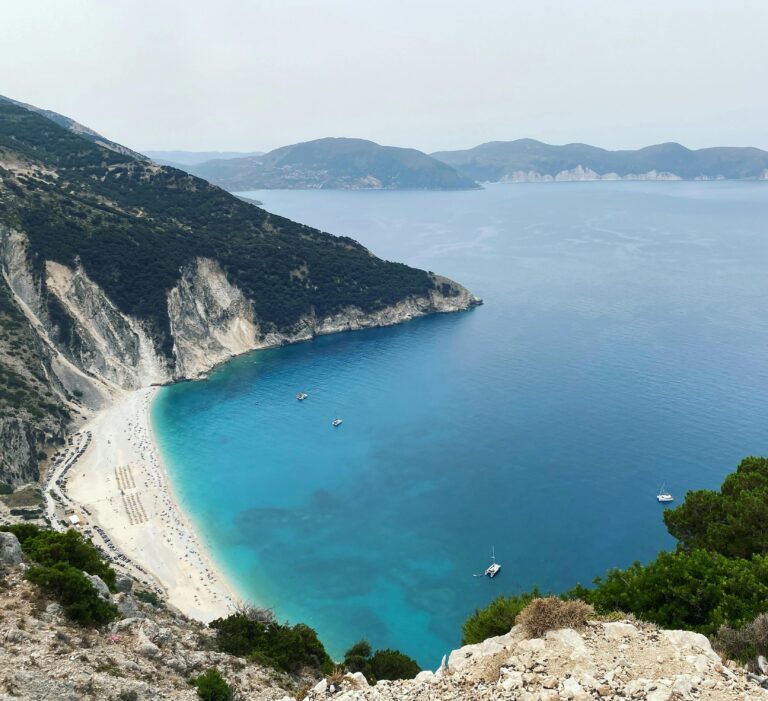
336	677
551	613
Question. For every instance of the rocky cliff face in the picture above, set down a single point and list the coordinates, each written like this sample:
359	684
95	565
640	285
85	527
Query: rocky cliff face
88	350
18	461
104	342
210	319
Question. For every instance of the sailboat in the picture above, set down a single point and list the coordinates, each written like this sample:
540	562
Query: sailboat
663	496
493	569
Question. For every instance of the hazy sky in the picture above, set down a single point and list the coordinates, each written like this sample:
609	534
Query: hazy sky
257	74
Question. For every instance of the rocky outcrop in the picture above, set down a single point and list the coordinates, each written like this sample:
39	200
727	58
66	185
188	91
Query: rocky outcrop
142	658
211	320
18	461
613	661
65	378
10	550
447	296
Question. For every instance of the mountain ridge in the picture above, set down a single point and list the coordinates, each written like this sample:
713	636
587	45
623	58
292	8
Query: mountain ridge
334	163
524	160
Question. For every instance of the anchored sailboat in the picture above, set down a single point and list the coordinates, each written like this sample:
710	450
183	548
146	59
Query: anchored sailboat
493	569
664	497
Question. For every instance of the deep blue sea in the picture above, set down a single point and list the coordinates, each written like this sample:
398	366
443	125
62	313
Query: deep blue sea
623	343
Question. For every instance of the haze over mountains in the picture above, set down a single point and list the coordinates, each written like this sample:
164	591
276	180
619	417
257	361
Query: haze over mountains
182	159
358	164
334	163
526	160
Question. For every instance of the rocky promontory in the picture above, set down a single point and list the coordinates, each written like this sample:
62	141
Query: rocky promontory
615	661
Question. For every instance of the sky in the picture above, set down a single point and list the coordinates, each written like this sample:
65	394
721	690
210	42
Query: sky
429	74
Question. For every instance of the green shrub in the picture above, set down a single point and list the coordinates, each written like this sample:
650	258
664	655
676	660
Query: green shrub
698	591
382	664
356	658
6	488
278	645
211	686
730	522
49	548
149	597
77	596
390	664
497	618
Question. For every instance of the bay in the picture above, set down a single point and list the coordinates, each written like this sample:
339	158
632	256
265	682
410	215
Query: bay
622	344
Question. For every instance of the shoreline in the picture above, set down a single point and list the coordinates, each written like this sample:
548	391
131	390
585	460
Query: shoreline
120	485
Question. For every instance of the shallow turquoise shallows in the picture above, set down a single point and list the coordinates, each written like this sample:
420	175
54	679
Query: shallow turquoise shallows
623	343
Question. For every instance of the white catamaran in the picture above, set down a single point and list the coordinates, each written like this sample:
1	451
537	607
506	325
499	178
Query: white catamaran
493	569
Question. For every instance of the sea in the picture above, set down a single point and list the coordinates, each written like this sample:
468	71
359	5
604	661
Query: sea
622	346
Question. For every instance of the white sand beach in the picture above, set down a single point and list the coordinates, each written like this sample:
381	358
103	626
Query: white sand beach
120	485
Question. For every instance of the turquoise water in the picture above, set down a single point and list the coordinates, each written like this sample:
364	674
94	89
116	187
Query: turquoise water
623	343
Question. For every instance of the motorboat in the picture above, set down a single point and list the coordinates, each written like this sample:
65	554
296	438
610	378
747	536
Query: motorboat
301	396
336	422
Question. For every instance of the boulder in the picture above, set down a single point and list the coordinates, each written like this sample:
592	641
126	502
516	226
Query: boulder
10	550
425	677
98	582
685	641
618	630
129	607
124	583
358	678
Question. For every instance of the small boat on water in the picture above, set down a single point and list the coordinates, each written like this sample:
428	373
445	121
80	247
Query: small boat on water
336	422
493	569
664	497
301	396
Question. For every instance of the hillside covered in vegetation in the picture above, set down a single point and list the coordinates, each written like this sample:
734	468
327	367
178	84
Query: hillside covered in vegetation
117	270
334	163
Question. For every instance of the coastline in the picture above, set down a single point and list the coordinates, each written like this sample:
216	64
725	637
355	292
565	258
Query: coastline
112	477
120	485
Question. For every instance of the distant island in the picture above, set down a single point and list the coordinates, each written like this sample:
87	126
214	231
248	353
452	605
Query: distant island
334	163
182	159
528	160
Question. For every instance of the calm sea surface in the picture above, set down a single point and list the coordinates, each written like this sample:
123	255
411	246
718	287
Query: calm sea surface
623	343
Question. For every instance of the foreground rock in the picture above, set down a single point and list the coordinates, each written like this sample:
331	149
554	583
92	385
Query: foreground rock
611	661
149	657
10	550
